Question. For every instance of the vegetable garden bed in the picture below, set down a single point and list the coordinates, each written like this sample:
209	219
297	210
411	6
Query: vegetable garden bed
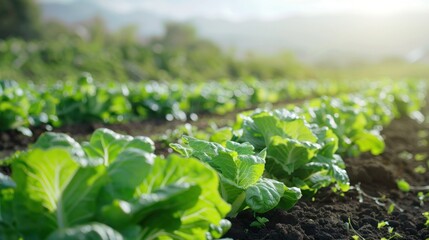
326	163
331	216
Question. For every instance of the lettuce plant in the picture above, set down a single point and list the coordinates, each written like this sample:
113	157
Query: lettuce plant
298	154
112	187
240	171
356	131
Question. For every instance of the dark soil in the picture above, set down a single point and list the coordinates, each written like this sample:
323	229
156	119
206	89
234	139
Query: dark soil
329	216
13	140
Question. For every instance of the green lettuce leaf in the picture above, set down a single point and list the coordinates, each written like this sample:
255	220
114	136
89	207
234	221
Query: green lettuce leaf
51	140
370	141
240	171
93	231
53	192
105	145
285	155
165	197
295	149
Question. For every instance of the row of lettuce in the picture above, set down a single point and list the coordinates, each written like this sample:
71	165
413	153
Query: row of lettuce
83	101
115	187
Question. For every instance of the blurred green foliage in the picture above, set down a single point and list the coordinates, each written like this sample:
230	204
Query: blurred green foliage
83	100
19	18
394	68
43	51
59	51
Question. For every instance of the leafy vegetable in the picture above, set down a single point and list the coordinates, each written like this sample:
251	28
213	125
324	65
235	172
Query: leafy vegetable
113	187
25	105
298	154
240	171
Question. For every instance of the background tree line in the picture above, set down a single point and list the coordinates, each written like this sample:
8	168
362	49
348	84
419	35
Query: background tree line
31	48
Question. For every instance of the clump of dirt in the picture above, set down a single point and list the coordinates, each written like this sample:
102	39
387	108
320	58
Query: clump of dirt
331	216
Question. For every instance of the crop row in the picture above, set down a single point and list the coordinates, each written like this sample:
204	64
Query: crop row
301	146
83	101
114	187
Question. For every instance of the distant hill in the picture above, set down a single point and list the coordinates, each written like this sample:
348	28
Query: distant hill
311	38
81	10
316	38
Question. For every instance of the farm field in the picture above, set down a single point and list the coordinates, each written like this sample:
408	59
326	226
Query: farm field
204	120
351	165
27	110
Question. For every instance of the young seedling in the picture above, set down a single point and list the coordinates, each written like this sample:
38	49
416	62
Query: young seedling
420	169
406	187
420	156
426	215
381	201
382	224
422	197
356	235
390	230
259	222
403	185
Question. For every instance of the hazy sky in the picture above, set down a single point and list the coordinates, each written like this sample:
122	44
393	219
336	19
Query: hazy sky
262	9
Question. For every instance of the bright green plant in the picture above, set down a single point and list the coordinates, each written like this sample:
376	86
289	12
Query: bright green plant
240	171
259	222
426	215
112	187
347	119
403	185
390	231
83	100
298	154
23	106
